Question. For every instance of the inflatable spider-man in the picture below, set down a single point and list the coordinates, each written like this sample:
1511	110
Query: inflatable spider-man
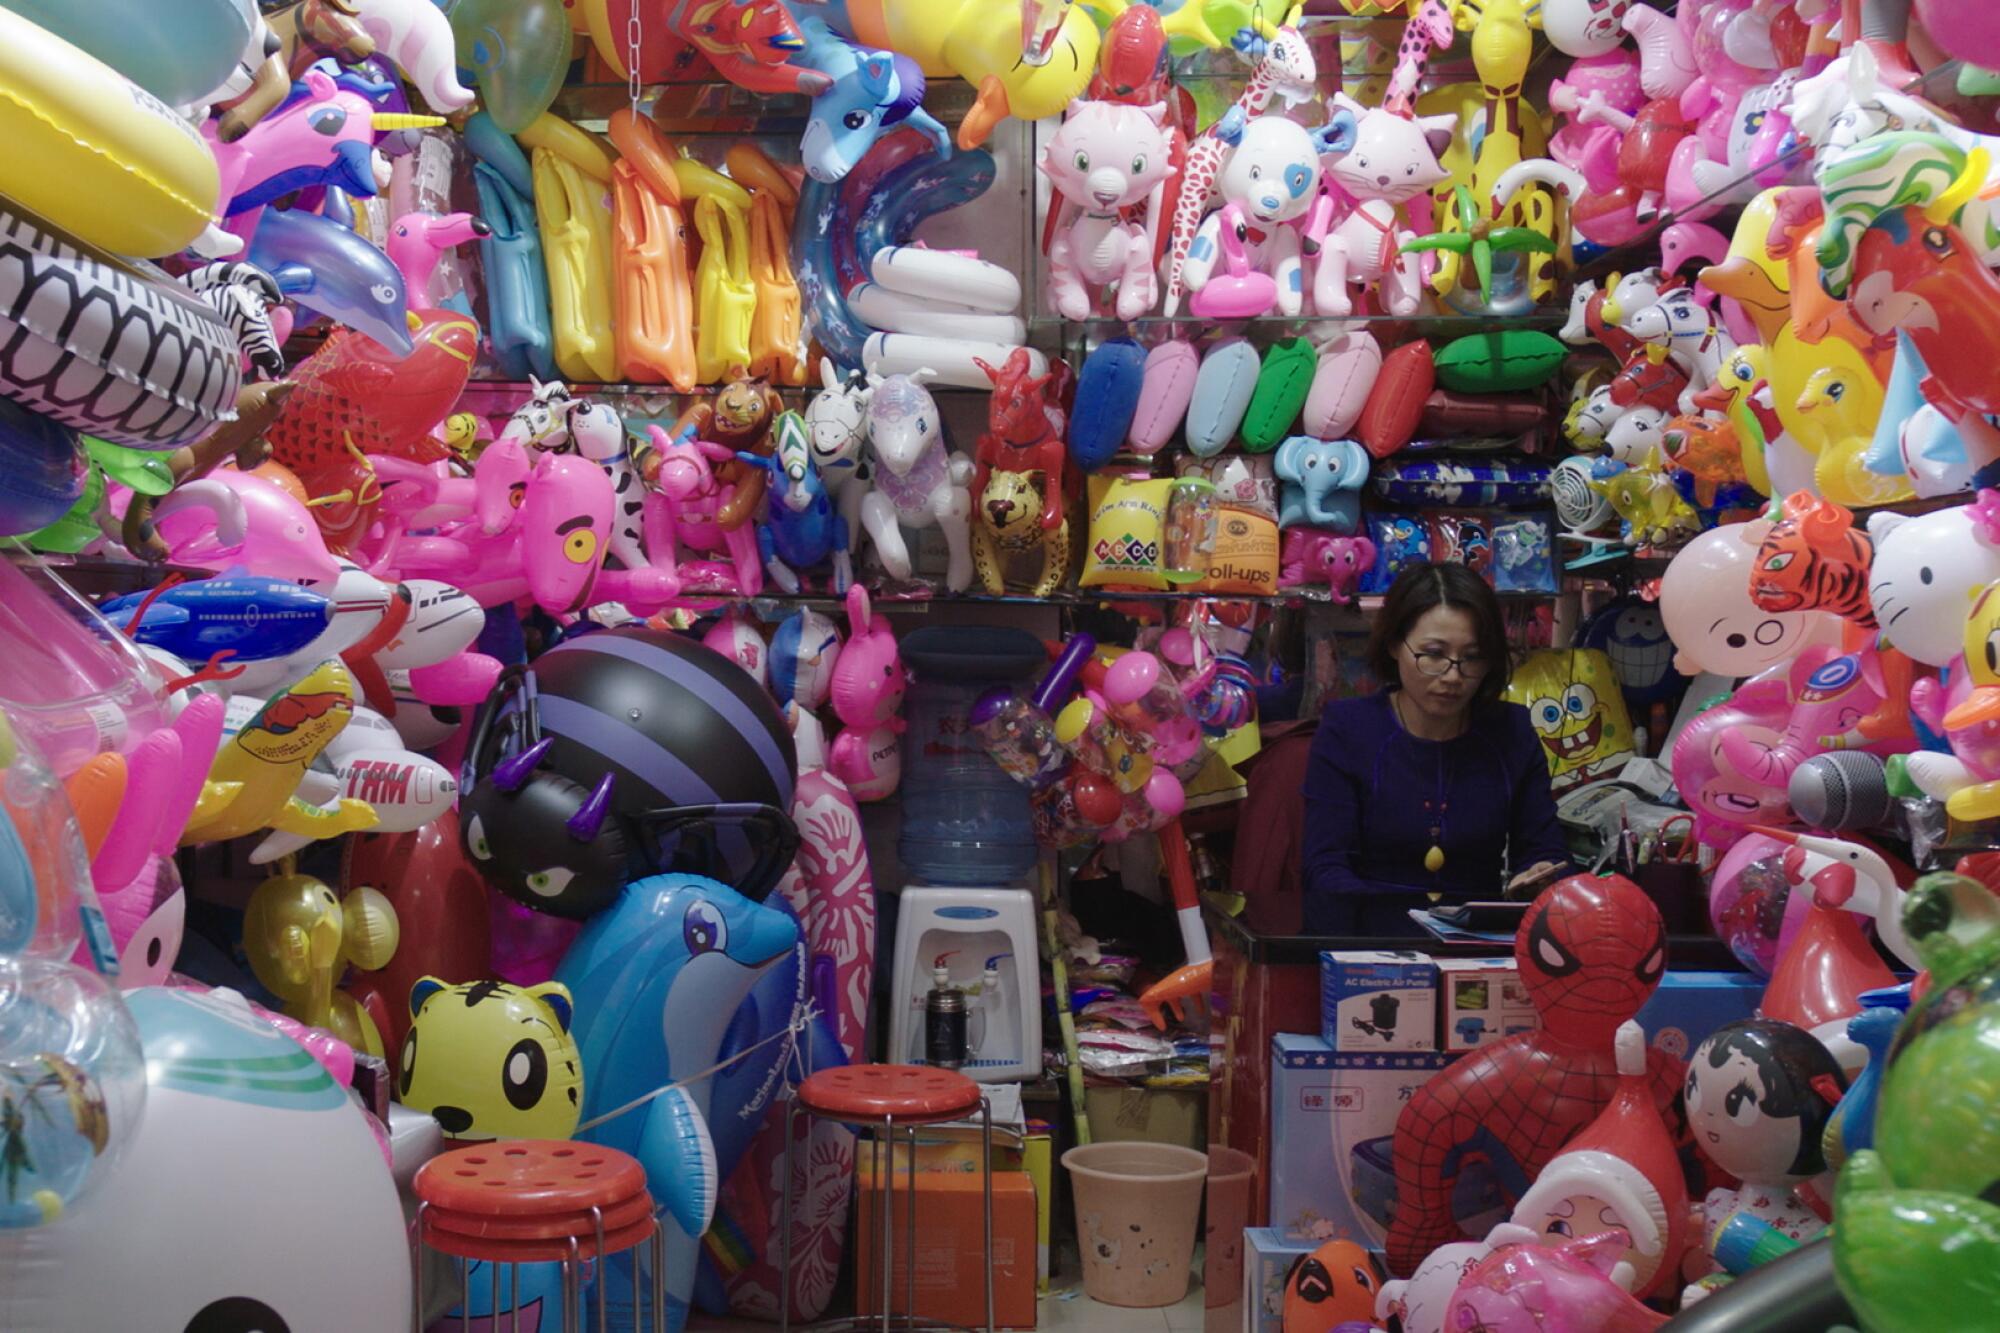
1591	950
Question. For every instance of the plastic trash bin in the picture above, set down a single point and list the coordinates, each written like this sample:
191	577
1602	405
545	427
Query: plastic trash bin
1136	1209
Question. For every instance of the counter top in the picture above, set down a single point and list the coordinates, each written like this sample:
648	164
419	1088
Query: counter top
1683	951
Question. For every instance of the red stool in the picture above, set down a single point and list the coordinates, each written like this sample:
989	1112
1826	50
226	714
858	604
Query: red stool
540	1201
888	1098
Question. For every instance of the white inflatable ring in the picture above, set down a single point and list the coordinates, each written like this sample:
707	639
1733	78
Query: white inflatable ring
895	312
127	358
939	275
951	358
94	153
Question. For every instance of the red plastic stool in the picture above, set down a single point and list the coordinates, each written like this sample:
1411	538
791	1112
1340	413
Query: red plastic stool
540	1201
888	1098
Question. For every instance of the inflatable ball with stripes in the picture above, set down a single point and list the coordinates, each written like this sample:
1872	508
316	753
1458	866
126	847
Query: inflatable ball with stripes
626	752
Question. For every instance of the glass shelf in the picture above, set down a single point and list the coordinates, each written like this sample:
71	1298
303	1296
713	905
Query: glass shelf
1151	329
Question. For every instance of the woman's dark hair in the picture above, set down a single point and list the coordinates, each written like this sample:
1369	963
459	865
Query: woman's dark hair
1801	1078
1420	588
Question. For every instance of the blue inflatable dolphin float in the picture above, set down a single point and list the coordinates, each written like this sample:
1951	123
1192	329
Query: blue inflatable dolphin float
657	980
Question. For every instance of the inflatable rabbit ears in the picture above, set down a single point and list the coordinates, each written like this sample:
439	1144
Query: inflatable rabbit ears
857	611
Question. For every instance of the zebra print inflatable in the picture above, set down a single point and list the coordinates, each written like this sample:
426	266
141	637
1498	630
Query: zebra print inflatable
243	294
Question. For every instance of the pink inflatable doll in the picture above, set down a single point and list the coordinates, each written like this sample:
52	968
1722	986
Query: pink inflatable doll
1711	102
1310	556
1391	160
1590	148
868	686
1568	1288
683	513
1725	802
1106	159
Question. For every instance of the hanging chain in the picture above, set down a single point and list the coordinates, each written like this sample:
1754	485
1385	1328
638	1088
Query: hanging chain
634	32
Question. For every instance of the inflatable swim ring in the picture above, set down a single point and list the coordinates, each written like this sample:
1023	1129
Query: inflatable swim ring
94	153
101	347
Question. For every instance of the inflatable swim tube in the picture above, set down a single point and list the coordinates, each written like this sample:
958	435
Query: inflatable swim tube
94	153
101	347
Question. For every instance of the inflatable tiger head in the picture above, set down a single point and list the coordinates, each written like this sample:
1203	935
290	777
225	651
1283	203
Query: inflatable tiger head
492	1061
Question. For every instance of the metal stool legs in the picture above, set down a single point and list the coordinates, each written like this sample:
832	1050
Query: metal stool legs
882	1165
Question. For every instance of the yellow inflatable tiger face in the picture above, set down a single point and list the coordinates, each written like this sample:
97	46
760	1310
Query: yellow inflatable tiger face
492	1061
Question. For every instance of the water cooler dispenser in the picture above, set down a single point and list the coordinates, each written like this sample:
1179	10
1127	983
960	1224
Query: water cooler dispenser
968	845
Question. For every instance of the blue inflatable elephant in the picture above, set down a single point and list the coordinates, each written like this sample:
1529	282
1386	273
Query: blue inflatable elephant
1322	483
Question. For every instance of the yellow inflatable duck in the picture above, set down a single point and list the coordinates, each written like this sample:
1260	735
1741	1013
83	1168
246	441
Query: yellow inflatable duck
251	783
1801	330
1843	407
980	41
300	938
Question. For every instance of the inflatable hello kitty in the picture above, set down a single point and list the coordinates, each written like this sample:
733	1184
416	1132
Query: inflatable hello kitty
1106	157
1392	160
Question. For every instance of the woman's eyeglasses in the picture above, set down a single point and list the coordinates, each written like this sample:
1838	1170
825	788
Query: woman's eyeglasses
1437	664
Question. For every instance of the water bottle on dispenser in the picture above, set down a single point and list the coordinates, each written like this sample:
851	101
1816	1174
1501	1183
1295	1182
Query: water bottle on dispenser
965	822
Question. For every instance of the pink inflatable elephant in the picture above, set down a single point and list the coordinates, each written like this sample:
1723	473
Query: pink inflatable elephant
1312	556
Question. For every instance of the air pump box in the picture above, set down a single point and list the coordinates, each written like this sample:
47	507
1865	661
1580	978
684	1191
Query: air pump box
1481	1000
1378	1000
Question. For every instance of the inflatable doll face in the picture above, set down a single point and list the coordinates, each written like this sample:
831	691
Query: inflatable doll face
1591	950
1925	572
1757	1098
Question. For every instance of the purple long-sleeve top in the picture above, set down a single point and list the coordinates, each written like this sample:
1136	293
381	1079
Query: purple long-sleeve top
1374	794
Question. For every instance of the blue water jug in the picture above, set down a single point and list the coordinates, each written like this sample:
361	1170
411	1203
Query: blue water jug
965	822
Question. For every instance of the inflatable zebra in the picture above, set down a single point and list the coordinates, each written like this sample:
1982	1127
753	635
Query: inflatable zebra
243	294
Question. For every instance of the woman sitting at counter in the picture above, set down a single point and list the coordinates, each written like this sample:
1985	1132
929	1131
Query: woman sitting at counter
1426	788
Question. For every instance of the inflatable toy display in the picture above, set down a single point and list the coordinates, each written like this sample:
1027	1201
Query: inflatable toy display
468	469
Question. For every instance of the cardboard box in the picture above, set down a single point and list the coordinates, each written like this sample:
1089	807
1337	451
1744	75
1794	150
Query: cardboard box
1268	1256
1333	1115
1130	1112
1481	1000
1690	1005
1378	1000
1038	1156
950	1289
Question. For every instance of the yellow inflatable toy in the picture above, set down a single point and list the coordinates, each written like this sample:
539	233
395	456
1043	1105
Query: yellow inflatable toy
93	153
251	783
566	141
493	1061
574	214
1842	407
980	41
300	938
724	297
1572	697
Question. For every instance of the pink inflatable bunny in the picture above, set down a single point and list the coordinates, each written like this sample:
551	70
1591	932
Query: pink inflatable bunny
868	685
